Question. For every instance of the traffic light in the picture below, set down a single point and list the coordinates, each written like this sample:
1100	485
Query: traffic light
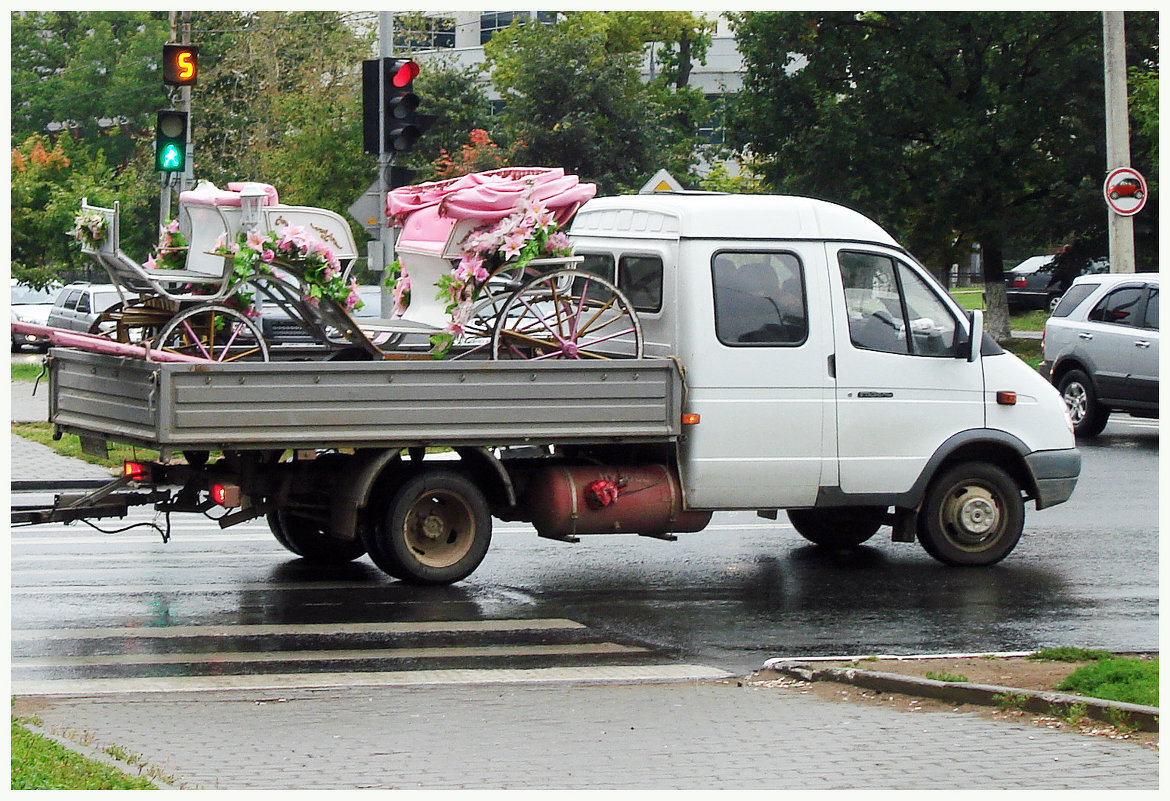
180	64
170	141
401	103
387	91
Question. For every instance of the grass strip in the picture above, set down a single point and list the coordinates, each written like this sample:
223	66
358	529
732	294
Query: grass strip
70	445
1131	681
39	763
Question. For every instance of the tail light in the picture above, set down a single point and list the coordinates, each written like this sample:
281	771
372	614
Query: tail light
1019	283
137	471
226	495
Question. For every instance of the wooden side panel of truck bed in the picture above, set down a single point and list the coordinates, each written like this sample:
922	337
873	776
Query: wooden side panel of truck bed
325	404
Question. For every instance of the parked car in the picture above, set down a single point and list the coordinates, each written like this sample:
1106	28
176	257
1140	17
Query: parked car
1101	348
78	305
279	328
31	305
1034	284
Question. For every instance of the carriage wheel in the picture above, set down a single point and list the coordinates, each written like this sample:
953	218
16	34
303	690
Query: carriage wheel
135	324
567	314
213	332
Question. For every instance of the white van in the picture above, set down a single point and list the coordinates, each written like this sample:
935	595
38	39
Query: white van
832	376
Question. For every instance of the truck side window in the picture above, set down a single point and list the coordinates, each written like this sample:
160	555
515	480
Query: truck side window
759	298
892	309
640	280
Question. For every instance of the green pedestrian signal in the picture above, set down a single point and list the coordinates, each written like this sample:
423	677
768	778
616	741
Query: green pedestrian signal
170	141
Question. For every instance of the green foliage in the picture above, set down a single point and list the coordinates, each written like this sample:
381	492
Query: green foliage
1067	653
1010	701
459	103
39	763
70	445
571	103
1133	681
949	128
943	675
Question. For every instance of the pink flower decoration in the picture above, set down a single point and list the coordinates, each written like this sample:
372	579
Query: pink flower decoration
267	255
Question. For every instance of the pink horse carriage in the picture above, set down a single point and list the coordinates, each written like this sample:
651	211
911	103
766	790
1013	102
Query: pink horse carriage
484	270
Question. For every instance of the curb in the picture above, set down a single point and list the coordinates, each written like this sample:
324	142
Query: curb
1144	718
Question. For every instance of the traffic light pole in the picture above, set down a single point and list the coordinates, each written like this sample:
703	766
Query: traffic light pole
387	235
185	178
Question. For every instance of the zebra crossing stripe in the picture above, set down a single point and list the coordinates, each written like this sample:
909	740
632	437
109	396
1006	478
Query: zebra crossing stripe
309	681
255	629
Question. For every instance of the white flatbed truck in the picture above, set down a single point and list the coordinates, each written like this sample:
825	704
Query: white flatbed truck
796	358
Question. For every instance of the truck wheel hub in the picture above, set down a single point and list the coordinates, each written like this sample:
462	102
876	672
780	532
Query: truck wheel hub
978	515
433	527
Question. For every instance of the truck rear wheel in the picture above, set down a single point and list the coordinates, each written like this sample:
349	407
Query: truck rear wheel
837	528
435	530
307	539
973	515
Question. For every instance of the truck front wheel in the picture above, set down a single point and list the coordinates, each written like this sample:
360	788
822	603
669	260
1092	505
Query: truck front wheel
306	539
837	528
973	515
435	530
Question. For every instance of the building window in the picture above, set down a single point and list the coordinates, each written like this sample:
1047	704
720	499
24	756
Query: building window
492	21
417	32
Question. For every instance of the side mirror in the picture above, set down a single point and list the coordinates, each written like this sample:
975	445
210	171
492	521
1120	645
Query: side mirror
975	342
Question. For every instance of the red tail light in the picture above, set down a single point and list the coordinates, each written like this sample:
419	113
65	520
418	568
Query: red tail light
226	495
136	471
1019	283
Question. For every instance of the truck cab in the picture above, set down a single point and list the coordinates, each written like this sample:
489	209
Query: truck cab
829	374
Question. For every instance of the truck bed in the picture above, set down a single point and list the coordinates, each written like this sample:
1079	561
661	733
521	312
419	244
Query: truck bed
346	404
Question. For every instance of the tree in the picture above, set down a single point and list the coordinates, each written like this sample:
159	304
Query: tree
570	102
950	128
457	99
48	182
94	74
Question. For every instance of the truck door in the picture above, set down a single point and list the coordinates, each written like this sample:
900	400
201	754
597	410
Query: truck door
757	376
901	386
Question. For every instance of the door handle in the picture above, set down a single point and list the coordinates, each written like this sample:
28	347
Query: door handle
1142	343
1084	335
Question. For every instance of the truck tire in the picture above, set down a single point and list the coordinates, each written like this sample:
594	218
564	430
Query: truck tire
306	539
837	528
973	515
435	530
1088	415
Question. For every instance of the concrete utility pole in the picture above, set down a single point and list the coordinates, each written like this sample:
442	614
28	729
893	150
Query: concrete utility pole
1121	249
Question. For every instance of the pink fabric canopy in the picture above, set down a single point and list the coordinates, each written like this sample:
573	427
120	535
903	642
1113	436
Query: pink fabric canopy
428	212
208	194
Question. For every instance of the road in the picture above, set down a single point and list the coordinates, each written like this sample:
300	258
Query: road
216	608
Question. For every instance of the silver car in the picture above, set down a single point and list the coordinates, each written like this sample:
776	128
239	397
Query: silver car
1101	348
78	305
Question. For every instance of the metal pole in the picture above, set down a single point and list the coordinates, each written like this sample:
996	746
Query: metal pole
386	237
1121	248
164	198
186	178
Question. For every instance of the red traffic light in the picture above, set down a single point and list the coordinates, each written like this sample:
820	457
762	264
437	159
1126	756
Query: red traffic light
404	73
180	64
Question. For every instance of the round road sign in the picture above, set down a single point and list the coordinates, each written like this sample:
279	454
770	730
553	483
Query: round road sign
1125	191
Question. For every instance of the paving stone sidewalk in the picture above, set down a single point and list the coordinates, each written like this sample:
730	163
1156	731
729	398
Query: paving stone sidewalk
717	735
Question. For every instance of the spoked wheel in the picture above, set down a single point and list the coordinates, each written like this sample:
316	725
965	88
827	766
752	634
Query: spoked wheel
567	314
213	332
137	323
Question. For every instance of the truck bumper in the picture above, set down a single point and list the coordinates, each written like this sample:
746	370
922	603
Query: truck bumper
1054	474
